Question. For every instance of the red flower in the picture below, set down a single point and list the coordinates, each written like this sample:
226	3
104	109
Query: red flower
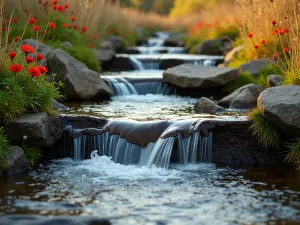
26	10
61	8
275	57
75	26
52	25
15	68
32	21
274	22
3	28
90	45
66	25
7	21
281	32
43	69
54	2
29	59
39	57
263	42
15	20
286	49
95	36
73	18
34	72
250	35
12	55
18	38
275	31
83	29
54	7
67	6
36	28
256	46
286	30
27	49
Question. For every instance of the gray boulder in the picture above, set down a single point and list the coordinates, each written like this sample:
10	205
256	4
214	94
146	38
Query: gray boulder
39	220
104	55
39	129
281	106
243	98
16	161
205	105
198	76
175	40
254	67
80	83
60	107
117	43
217	46
274	80
105	45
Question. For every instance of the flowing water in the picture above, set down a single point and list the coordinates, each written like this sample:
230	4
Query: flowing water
128	184
189	194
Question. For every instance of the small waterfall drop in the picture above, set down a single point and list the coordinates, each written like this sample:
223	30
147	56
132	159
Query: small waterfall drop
196	148
138	65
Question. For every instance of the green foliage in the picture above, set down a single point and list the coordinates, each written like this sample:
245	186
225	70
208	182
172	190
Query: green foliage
20	93
3	149
262	78
192	43
265	132
293	156
292	77
32	154
244	79
86	56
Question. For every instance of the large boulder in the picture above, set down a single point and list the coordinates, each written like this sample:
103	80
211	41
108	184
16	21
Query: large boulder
15	162
281	106
80	83
117	43
254	67
217	46
38	129
243	98
198	76
38	220
274	80
205	105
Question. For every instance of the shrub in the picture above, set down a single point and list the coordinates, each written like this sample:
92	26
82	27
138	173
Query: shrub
293	156
32	154
265	132
3	149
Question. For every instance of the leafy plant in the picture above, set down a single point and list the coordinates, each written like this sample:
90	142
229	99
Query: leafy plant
265	132
32	154
293	156
3	149
244	79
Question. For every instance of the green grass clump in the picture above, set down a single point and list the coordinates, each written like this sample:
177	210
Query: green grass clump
86	56
3	150
244	79
292	77
32	154
262	78
265	132
293	156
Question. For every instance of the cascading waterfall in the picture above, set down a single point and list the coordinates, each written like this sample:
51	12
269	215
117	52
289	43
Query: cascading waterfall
122	86
196	148
138	65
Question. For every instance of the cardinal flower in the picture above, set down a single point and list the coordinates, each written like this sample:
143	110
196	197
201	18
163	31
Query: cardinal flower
43	69
15	68
39	57
34	72
12	55
27	49
29	59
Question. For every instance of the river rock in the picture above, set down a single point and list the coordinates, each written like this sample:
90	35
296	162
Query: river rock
281	106
205	105
169	63
104	55
117	43
217	46
254	67
243	98
16	161
65	45
119	64
274	80
198	76
175	40
39	130
80	83
105	45
38	220
60	107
